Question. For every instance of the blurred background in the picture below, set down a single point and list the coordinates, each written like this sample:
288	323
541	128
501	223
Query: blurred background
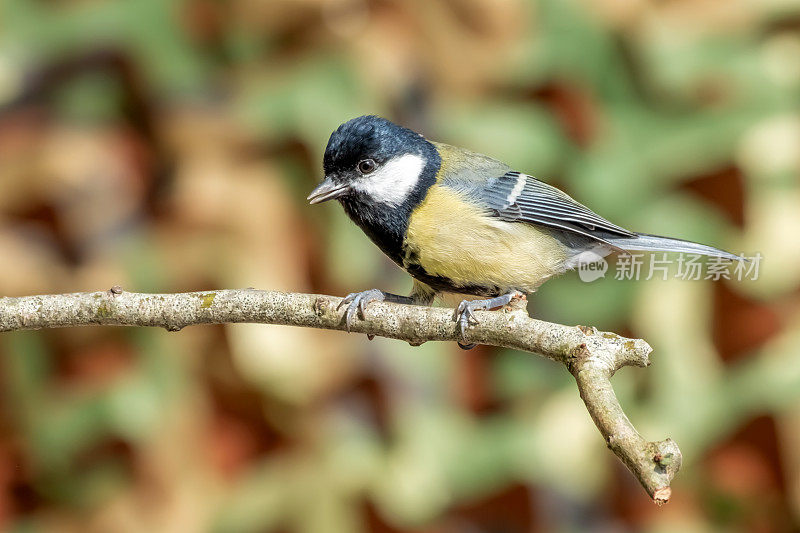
169	146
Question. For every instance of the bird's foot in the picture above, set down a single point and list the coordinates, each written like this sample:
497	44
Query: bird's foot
357	301
464	315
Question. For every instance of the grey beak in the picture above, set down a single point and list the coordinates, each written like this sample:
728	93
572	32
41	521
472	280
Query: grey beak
327	190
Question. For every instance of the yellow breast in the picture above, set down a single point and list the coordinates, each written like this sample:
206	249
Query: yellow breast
451	237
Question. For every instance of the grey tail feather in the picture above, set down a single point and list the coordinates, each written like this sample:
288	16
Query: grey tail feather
654	243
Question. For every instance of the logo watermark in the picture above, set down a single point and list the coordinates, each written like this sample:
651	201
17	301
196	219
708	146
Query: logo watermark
591	266
688	267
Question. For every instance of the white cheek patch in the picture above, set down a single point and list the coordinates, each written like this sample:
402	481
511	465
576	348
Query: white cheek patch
394	181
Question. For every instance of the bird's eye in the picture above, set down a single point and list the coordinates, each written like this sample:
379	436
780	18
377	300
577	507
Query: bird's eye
365	166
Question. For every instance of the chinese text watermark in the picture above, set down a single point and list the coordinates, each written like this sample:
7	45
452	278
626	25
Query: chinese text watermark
689	267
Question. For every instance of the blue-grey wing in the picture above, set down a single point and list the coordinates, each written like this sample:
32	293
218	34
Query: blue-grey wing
517	197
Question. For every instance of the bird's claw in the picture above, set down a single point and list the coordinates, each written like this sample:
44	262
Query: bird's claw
465	313
357	301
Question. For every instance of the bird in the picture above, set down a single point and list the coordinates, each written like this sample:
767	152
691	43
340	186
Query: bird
462	223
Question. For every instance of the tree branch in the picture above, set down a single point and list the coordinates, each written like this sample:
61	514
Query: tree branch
592	357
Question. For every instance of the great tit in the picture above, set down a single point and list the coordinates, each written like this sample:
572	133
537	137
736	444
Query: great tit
461	222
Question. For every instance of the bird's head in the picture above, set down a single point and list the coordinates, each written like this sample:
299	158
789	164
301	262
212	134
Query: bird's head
373	159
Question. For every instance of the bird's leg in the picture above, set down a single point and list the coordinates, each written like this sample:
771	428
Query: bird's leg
357	301
464	312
